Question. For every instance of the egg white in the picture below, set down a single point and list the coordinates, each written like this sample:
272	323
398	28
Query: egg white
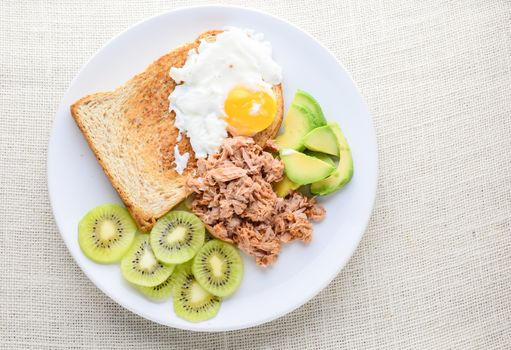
236	58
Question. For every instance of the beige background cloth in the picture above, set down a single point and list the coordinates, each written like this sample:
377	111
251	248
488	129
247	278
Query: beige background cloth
434	268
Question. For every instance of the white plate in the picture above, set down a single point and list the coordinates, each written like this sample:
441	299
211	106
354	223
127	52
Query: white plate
77	184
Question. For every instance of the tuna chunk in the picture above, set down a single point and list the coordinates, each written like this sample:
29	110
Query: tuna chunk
234	197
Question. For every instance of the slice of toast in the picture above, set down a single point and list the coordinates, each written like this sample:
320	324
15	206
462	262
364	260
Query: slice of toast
132	134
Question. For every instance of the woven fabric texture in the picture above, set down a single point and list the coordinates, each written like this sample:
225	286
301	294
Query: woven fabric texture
434	268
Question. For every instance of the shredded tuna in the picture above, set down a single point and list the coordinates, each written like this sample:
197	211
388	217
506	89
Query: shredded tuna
227	173
234	197
271	146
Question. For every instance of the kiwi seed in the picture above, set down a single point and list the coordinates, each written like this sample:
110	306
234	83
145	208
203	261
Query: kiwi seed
191	301
141	267
106	233
177	236
218	268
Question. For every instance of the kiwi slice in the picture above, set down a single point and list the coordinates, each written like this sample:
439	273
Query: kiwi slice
218	268
106	233
161	292
140	266
177	236
191	301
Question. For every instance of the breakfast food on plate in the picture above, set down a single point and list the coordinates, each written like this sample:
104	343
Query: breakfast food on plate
305	100
298	122
105	234
218	268
233	195
344	172
321	156
177	237
140	266
145	149
284	187
228	84
197	132
191	301
323	140
160	292
213	270
295	162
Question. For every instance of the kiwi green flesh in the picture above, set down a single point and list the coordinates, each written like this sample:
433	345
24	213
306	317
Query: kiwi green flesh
161	292
106	233
141	267
177	237
218	268
191	301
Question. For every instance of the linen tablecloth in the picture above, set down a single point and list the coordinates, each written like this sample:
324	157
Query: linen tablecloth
433	270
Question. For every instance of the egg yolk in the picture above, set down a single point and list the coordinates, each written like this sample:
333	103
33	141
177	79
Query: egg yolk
248	111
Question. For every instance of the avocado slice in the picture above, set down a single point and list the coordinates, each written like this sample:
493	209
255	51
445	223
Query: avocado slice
322	156
284	187
322	139
305	99
344	172
303	169
297	123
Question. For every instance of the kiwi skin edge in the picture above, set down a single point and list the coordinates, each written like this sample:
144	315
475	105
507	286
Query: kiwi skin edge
228	263
185	284
109	246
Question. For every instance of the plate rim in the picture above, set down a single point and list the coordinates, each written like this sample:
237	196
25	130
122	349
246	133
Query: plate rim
197	326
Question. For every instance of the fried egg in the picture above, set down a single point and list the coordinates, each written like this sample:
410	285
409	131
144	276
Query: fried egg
225	86
249	111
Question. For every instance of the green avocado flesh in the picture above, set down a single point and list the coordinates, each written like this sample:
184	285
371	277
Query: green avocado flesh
303	169
297	123
321	156
284	187
322	139
344	172
304	99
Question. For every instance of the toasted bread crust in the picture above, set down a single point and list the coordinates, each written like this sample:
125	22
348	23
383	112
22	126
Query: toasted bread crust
131	132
